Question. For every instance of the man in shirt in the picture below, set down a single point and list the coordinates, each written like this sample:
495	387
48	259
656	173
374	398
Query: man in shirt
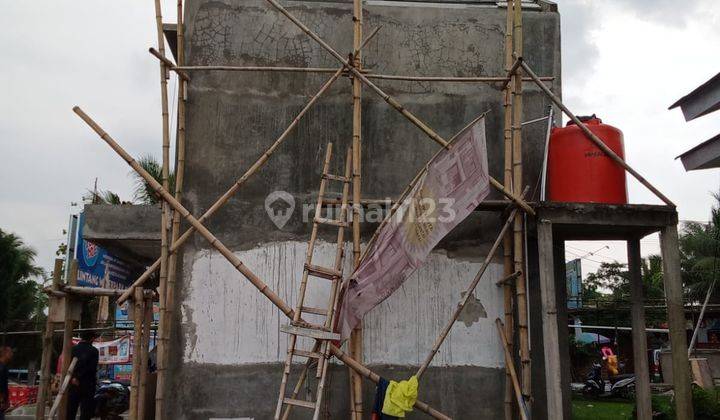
84	378
6	355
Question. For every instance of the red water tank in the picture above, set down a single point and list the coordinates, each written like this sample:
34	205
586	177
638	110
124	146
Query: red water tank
578	171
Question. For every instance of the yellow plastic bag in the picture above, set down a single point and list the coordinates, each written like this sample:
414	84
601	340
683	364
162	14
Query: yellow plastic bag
400	397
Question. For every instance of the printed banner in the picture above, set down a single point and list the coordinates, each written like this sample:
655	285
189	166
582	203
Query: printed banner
454	183
97	267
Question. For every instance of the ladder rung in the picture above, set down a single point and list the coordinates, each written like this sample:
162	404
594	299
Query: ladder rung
299	403
309	332
324	272
336	178
308	354
331	222
311	310
305	324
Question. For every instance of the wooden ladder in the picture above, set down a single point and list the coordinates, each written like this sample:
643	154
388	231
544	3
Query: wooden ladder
322	333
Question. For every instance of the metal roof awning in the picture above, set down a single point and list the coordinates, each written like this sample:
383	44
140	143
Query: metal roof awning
701	101
706	155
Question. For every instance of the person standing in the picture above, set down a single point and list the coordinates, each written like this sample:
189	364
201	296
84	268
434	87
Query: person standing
84	378
6	355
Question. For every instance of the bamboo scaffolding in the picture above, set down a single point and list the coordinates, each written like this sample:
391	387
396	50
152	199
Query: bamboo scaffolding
47	345
250	172
63	389
168	309
518	227
257	68
356	336
168	63
471	288
229	255
138	312
390	100
93	291
590	135
144	350
165	219
508	265
450	79
513	373
68	327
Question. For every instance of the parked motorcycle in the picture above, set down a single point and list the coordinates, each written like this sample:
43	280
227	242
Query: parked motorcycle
111	400
622	386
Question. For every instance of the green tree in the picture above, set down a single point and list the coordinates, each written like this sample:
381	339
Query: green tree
143	193
699	249
20	294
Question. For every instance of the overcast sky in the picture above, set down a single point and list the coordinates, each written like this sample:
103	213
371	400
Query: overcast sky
625	60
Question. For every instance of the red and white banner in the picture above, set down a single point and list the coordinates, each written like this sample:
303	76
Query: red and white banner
454	182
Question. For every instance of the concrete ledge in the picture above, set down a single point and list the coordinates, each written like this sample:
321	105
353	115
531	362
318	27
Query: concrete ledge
128	231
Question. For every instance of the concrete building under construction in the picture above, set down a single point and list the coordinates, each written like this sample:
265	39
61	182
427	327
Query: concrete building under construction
227	351
256	117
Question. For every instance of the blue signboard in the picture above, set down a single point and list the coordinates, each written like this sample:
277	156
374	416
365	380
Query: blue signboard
573	282
97	267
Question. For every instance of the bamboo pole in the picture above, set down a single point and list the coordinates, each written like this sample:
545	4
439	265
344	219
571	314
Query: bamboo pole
92	291
356	336
508	266
232	258
168	63
144	350
390	100
165	219
167	310
138	311
590	135
513	373
47	347
450	79
471	288
63	389
519	229
250	172
257	68
68	327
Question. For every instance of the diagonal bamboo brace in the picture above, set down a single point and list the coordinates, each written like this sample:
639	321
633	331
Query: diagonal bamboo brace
250	172
458	310
513	373
392	101
232	258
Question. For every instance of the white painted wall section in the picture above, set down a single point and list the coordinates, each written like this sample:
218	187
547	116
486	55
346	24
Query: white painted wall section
227	321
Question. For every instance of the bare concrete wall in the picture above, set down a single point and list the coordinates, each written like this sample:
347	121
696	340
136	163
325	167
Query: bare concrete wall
228	346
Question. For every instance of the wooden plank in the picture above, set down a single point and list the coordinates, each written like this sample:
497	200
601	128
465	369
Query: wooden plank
307	332
639	337
553	377
676	321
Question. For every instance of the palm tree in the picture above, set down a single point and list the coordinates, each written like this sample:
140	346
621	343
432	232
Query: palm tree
143	192
699	255
19	293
